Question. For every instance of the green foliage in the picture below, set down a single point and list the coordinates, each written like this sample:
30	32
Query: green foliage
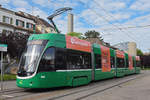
75	34
139	52
16	43
8	77
145	68
93	34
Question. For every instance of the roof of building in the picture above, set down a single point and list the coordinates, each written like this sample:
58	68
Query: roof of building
23	14
37	20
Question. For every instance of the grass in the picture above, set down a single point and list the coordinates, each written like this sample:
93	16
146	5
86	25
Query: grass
148	68
8	77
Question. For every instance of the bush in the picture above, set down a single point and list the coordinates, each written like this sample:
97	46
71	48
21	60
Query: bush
8	77
16	43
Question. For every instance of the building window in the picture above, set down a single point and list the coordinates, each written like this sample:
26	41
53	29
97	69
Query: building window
30	26
20	23
7	32
7	20
42	29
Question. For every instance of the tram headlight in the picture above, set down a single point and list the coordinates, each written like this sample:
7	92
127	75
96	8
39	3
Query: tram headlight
31	83
20	82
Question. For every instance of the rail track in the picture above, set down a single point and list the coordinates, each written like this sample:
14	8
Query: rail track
7	94
11	90
15	94
98	91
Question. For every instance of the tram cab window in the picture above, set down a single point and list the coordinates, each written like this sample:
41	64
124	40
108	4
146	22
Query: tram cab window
47	61
120	63
98	61
60	60
112	62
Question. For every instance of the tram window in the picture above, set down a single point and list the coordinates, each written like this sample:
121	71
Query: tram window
78	60
127	63
47	60
120	63
134	63
98	61
138	63
86	60
112	62
60	62
72	60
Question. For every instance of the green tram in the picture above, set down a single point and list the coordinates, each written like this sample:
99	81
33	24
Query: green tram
56	60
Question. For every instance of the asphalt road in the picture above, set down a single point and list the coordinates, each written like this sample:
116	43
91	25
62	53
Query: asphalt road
9	85
133	87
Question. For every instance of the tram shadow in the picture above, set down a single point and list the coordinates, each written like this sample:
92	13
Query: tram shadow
44	90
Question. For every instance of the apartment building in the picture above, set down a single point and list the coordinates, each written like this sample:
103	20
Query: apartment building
11	22
42	26
128	47
21	22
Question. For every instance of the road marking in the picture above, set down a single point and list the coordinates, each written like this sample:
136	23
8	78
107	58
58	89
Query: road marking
7	96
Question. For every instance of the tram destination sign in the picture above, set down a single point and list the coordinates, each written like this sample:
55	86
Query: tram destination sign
3	47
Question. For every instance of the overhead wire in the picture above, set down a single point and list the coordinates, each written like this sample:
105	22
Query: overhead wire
107	20
129	27
108	14
101	17
108	33
116	26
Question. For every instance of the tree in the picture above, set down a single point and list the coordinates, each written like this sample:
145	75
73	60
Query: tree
93	34
139	52
16	43
75	34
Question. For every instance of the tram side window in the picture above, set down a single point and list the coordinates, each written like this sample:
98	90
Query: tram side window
78	60
127	63
120	63
60	60
98	61
138	63
86	61
112	62
72	60
47	61
134	63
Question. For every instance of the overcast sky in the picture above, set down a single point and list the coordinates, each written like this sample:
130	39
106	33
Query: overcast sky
105	16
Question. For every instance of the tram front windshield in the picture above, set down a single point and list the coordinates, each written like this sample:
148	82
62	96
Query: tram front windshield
30	57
